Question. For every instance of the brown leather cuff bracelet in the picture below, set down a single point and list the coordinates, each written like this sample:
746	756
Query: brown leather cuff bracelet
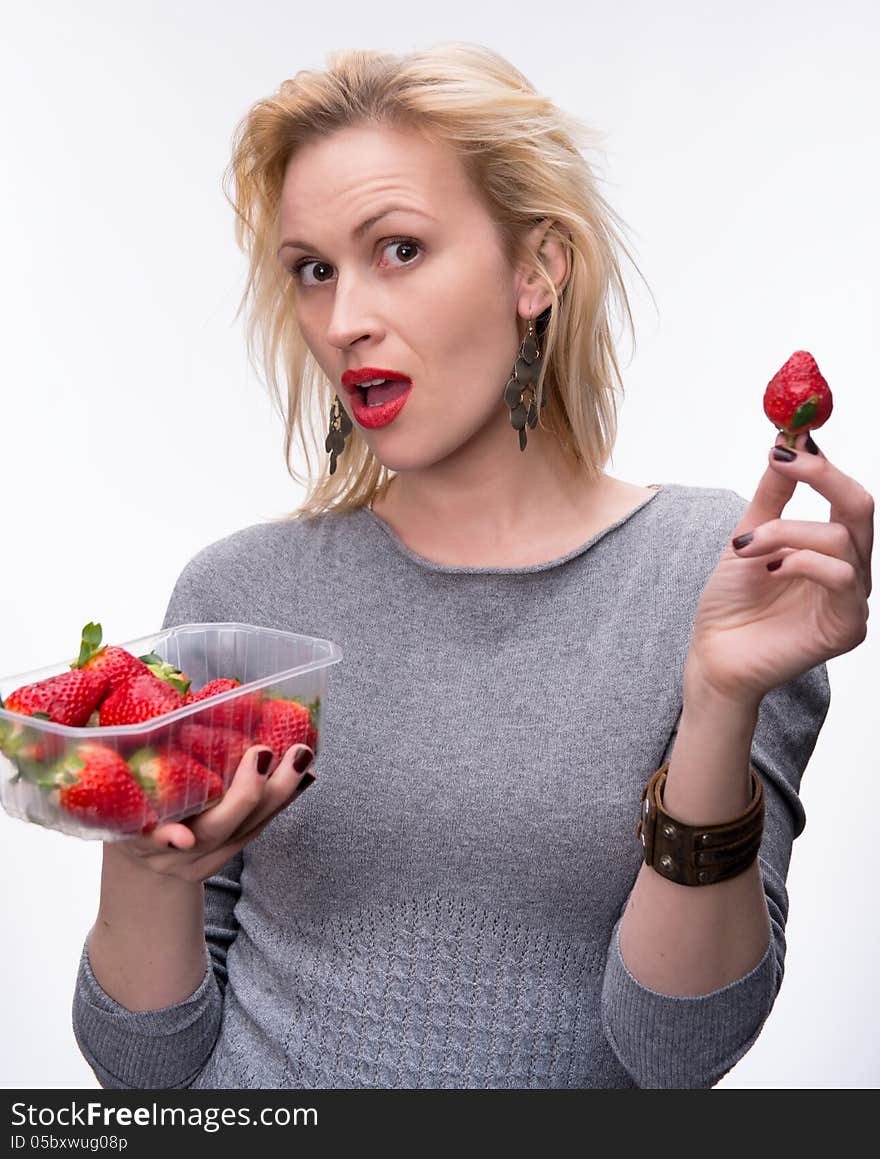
698	854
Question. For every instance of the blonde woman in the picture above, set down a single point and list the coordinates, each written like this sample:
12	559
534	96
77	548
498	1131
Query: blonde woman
537	656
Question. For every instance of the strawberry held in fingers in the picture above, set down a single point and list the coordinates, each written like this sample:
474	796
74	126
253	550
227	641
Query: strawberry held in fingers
173	780
97	788
798	398
139	698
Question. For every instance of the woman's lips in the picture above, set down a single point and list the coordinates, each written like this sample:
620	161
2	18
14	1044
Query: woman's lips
353	378
372	417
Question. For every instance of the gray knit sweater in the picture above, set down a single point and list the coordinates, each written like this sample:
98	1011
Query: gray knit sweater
441	908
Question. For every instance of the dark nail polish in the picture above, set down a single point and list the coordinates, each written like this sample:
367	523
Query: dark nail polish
307	779
303	759
264	759
784	455
773	566
742	540
811	446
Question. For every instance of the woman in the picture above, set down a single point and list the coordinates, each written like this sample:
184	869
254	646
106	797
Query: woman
534	651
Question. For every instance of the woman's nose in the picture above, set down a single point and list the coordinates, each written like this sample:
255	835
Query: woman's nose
351	317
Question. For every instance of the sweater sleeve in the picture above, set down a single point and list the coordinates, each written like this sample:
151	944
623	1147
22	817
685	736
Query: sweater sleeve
668	1041
166	1048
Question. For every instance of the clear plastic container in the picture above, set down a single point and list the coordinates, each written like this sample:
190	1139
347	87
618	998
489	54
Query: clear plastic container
214	732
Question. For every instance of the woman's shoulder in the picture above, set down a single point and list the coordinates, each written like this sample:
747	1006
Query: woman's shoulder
255	562
684	498
270	539
690	513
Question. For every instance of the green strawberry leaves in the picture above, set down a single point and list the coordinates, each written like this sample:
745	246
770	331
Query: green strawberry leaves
167	672
805	413
90	646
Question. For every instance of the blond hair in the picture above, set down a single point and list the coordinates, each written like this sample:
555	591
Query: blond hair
522	153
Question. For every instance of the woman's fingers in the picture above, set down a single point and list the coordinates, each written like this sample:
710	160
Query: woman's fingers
851	504
246	789
830	539
252	800
285	784
281	788
198	848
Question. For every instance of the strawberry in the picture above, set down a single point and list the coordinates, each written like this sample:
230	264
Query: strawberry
97	788
220	749
68	698
797	397
166	671
236	714
117	664
139	698
285	722
173	780
29	748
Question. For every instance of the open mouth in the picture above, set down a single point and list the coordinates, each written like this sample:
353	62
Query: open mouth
381	391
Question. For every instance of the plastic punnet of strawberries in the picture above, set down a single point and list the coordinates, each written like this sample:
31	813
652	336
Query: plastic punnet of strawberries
124	784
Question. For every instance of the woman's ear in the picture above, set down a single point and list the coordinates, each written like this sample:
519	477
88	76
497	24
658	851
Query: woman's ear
543	239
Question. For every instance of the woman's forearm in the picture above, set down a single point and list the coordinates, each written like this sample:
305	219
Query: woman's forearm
690	940
147	946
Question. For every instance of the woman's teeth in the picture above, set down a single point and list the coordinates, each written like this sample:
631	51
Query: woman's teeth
365	386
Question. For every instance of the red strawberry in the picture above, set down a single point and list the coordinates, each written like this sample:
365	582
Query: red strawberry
797	397
116	663
139	698
237	714
220	749
97	788
29	748
285	722
174	781
166	671
68	698
119	664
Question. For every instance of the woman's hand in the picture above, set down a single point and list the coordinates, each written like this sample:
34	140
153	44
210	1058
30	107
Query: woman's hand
196	849
757	628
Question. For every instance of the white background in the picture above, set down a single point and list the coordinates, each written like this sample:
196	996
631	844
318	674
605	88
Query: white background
742	152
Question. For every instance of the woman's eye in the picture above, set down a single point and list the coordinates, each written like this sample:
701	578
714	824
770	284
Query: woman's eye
299	270
403	244
405	250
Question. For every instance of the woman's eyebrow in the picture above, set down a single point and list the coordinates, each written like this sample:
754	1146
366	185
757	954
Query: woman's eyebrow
360	230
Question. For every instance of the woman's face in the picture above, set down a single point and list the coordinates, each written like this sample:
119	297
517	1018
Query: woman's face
424	291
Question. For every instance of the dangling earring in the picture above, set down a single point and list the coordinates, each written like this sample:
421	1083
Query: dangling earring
340	427
523	377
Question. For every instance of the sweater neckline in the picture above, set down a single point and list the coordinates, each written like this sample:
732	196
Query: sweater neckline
455	569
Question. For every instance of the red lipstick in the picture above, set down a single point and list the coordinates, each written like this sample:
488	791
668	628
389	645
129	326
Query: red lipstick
396	386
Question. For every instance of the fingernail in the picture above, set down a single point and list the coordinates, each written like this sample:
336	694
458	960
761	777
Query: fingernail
773	566
811	446
264	759
171	845
742	540
303	759
307	779
784	455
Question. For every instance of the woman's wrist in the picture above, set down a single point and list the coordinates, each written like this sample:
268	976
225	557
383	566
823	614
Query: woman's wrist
128	870
708	780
